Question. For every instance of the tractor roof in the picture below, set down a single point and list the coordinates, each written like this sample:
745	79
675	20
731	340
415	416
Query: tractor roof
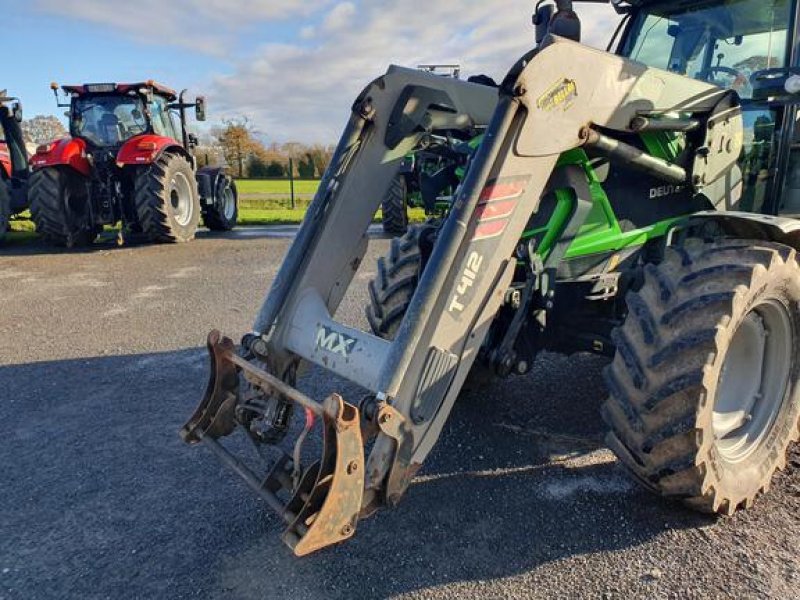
120	88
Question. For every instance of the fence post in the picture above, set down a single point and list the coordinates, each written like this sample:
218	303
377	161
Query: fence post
291	181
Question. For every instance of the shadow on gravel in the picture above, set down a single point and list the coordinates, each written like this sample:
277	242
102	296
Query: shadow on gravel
108	241
101	499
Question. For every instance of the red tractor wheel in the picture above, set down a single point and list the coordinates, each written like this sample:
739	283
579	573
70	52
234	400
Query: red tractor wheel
60	207
167	201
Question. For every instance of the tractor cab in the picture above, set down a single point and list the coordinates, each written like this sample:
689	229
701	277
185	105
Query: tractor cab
741	45
107	115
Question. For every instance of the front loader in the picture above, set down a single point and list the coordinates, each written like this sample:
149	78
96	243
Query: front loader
619	203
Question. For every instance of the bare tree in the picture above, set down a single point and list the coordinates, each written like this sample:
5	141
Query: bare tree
42	129
238	142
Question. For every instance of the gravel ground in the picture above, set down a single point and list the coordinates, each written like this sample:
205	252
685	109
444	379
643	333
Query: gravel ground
101	361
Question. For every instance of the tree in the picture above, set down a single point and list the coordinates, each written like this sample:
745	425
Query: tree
238	142
321	156
257	167
275	169
42	129
305	167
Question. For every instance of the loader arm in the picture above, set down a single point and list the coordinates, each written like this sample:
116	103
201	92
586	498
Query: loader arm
564	92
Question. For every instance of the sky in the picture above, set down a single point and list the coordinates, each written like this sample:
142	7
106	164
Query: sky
292	67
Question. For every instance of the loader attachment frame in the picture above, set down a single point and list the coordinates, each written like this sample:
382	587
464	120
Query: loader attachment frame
550	102
325	500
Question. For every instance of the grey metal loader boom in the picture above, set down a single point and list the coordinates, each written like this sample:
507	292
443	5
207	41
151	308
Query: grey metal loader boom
561	97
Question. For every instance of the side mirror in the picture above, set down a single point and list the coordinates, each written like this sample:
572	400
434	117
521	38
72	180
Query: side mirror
16	110
200	108
674	31
541	21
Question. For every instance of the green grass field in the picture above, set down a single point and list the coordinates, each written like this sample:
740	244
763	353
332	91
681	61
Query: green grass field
22	230
255	187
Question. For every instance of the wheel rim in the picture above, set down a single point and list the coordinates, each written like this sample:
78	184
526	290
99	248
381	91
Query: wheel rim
228	203
753	381
180	197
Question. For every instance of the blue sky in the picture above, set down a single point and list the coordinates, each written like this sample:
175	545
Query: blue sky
292	67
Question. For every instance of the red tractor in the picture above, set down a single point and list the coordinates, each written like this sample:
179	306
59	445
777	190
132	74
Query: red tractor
127	161
13	162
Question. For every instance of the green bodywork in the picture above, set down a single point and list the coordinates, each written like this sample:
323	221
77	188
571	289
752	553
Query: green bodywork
601	233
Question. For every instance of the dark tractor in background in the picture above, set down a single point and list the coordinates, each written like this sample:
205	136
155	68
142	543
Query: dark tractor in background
431	173
13	162
127	161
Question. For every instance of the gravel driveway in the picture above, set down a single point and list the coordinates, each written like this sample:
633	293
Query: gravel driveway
101	361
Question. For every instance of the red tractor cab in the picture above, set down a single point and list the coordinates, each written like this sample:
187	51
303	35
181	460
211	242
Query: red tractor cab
14	169
129	159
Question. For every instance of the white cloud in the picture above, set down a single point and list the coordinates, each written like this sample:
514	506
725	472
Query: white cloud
303	92
303	89
339	17
203	25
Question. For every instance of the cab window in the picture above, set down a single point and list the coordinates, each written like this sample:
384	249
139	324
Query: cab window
725	43
162	119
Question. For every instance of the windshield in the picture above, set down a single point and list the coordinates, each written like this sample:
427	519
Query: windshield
108	120
727	43
161	118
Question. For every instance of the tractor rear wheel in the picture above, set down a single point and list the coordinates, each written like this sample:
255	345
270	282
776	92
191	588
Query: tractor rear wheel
5	209
166	199
60	209
394	207
222	216
704	397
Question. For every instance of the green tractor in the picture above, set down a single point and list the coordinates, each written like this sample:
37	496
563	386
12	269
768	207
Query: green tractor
430	174
638	203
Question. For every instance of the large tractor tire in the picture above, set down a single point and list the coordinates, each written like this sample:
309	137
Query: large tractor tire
391	291
5	210
394	208
60	207
704	399
167	201
222	216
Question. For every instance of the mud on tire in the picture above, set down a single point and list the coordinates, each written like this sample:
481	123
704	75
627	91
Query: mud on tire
60	207
393	208
694	413
167	201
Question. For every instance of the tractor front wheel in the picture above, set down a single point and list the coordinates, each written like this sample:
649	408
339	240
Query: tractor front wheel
5	210
224	213
60	209
394	208
167	201
704	398
395	284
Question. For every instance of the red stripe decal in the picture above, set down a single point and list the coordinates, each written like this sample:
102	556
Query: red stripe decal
505	189
495	210
489	229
